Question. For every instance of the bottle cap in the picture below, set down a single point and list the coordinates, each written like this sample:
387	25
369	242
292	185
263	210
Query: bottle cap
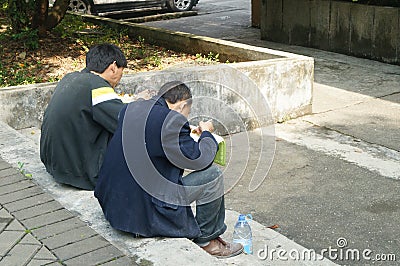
242	217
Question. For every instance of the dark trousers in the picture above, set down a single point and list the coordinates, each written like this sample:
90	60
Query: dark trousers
206	188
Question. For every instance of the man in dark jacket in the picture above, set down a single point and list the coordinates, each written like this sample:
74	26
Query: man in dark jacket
141	187
81	117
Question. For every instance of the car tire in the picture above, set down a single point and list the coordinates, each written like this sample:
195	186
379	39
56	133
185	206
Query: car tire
80	6
180	5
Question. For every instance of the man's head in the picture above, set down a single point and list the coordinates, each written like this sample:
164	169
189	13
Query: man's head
178	96
108	61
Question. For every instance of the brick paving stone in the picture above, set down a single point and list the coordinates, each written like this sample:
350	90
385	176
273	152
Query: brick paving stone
28	202
20	254
5	214
57	228
42	257
15	226
8	171
46	219
4	222
123	261
16	186
11	179
80	248
69	237
21	194
45	254
30	239
5	219
8	239
95	257
37	210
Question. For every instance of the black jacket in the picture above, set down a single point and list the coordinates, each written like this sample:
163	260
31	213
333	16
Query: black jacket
78	123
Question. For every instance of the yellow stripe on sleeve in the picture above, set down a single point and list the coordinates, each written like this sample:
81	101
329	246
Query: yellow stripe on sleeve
103	94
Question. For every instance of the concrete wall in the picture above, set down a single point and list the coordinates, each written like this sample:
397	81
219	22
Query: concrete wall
237	96
354	29
264	86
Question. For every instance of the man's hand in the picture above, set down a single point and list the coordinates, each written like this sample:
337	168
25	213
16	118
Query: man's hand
205	126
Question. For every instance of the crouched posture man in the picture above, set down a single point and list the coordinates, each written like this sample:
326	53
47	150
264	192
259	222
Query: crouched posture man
141	187
81	118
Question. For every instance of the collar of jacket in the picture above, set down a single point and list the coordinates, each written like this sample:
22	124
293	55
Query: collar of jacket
159	101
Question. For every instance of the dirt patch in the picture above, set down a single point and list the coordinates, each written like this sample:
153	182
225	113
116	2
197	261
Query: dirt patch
58	54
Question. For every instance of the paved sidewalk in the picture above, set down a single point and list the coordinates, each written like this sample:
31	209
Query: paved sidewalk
37	230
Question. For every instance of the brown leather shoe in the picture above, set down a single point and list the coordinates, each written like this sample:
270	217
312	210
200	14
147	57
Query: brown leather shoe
221	249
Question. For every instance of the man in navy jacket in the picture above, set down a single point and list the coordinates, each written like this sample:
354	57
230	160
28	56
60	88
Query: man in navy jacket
141	187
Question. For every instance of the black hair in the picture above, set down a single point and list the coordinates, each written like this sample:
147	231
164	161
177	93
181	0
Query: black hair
175	91
101	56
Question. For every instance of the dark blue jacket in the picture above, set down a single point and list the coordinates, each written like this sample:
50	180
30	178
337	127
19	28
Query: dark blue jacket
144	146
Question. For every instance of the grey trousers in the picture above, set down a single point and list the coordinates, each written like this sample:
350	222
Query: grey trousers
206	188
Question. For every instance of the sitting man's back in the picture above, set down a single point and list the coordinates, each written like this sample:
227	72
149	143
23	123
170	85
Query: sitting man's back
81	118
141	187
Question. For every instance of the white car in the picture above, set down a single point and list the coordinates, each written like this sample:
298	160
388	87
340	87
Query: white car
108	7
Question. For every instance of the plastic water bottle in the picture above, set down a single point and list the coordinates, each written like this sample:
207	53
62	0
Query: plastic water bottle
242	233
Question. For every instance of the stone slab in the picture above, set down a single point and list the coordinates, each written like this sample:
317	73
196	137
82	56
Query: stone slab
30	240
99	256
15	226
69	237
47	219
7	171
5	214
45	254
319	24
24	184
386	42
57	228
37	210
298	29
28	202
21	194
362	22
20	255
4	222
8	239
81	247
10	179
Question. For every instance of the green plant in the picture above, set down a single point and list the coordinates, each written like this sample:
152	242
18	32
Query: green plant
23	171
28	37
210	58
